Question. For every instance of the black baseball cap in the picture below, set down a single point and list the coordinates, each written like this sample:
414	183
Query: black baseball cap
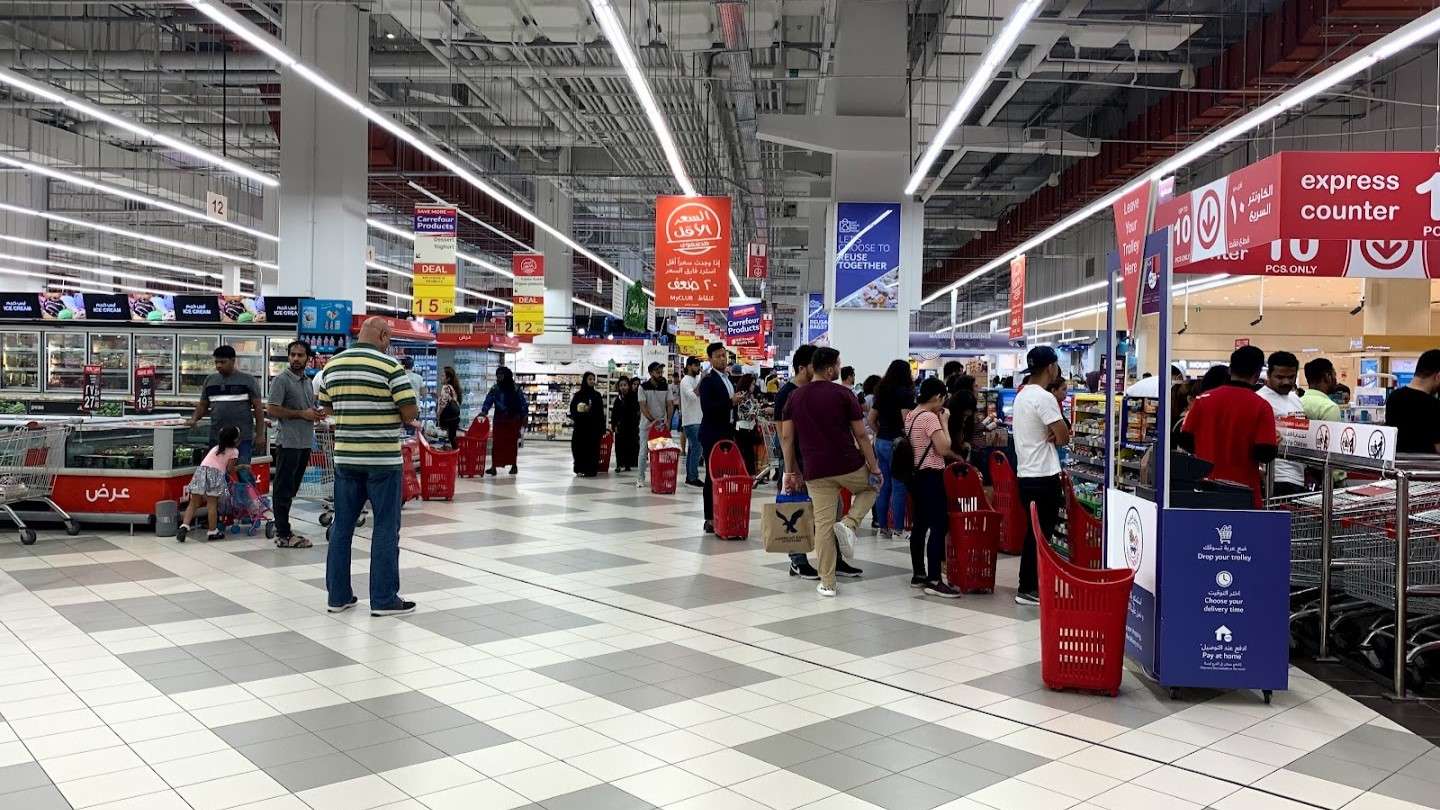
1040	357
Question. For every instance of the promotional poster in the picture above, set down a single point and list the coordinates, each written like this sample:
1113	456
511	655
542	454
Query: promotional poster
436	228
529	293
867	255
692	252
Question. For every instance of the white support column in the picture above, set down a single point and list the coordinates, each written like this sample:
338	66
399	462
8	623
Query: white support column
34	193
230	279
554	207
324	156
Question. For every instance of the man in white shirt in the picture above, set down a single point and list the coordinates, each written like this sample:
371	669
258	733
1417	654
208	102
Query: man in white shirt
690	420
1279	391
1039	429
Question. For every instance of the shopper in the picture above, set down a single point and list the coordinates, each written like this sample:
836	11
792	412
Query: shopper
1413	410
1231	427
894	397
292	405
231	398
587	417
1320	384
961	407
690	420
209	482
447	404
1040	430
511	413
624	421
828	428
1279	392
929	444
370	395
951	368
799	375
654	407
747	411
417	380
717	423
1342	395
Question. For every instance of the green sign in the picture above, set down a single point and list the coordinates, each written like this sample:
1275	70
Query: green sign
637	308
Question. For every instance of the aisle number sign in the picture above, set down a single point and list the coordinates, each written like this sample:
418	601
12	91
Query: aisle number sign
529	292
434	282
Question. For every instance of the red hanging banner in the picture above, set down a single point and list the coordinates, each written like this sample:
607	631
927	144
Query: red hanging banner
757	261
692	252
1017	297
1130	212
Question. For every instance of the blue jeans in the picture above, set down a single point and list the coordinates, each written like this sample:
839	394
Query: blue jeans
353	487
692	452
890	502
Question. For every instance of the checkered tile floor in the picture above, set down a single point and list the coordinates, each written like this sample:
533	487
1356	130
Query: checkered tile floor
581	646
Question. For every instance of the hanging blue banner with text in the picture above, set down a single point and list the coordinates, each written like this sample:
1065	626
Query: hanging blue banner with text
817	318
867	255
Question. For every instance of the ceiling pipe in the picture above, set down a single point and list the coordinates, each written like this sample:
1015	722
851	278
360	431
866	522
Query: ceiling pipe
1105	67
731	14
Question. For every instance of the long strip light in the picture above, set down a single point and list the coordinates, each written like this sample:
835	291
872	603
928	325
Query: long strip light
609	23
975	86
79	105
1099	285
243	28
1412	33
464	257
1197	286
466	214
116	258
102	271
144	237
83	285
133	196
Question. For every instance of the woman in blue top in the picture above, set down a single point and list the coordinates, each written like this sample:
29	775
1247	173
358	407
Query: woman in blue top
511	413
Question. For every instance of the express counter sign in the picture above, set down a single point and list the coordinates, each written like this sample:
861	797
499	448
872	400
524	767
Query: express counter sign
692	252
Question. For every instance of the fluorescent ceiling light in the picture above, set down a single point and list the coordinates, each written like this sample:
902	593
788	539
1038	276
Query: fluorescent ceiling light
112	257
84	285
267	44
103	271
466	214
465	257
395	271
133	196
1387	46
144	237
1099	285
609	22
88	110
995	57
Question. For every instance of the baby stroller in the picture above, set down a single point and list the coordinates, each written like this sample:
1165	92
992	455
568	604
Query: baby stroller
243	508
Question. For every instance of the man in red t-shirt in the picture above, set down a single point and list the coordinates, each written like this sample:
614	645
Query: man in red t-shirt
1232	427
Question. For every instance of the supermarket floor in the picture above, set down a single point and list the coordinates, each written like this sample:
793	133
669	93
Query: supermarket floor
580	645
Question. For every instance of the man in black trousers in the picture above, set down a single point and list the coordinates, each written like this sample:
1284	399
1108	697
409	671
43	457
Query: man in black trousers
717	421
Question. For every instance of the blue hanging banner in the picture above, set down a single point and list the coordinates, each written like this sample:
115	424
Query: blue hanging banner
867	255
817	319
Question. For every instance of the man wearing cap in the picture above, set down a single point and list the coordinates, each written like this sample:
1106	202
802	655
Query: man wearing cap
1039	430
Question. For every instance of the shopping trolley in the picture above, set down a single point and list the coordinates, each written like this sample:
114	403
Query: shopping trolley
1307	547
31	454
774	453
318	483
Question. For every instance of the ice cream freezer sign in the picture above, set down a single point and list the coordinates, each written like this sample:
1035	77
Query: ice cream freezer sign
434	282
867	255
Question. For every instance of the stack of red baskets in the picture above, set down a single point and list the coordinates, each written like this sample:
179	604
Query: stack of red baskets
1007	503
410	480
730	485
974	535
438	470
471	445
607	443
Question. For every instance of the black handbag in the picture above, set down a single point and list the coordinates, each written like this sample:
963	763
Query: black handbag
449	416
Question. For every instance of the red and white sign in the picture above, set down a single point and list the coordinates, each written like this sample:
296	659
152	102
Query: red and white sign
1130	228
1241	343
1327	258
1360	195
528	293
1017	297
433	284
692	252
757	261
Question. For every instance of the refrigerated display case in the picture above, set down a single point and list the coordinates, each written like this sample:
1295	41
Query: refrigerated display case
20	361
250	355
64	360
197	361
111	351
279	358
158	351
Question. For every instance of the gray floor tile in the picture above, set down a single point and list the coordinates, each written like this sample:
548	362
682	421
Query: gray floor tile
835	735
1369	755
297	748
1115	712
480	538
937	738
596	797
1410	789
259	672
327	717
1402	742
363	734
286	557
14	778
254	731
1000	758
38	798
900	792
607	683
400	703
1363	777
959	778
567	671
644	698
783	750
395	754
533	509
616	525
695	591
316	772
575	561
428	720
418	518
189	683
694	686
892	754
839	771
466	738
881	721
643	500
51	545
709	545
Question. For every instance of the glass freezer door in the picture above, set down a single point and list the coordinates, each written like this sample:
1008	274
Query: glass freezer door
111	351
158	351
64	360
197	361
250	356
20	360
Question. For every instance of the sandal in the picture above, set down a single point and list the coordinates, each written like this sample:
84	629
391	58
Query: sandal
293	541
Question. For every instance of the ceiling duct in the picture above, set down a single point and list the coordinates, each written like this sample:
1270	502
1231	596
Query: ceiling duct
731	15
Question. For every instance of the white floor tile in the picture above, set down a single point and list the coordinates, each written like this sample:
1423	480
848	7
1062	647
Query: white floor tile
545	781
782	790
665	785
489	795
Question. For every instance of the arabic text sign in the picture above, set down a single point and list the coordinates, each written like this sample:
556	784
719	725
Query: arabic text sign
867	255
692	252
529	293
1017	297
434	266
1327	258
817	318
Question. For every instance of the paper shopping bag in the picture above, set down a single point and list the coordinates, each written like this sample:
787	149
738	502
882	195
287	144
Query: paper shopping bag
789	526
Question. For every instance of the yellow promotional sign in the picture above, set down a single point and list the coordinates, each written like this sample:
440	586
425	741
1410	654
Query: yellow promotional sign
529	293
433	285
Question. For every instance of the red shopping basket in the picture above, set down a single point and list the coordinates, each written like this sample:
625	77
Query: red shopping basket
438	470
410	481
1082	529
471	445
970	550
730	485
1082	620
1007	503
964	490
664	469
607	443
658	430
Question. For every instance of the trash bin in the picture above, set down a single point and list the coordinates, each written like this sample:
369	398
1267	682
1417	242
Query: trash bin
167	518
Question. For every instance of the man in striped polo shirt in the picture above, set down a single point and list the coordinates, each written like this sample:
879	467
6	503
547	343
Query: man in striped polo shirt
370	396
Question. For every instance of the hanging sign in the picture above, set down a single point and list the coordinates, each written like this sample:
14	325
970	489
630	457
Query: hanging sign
90	387
637	305
436	228
1157	257
757	261
743	326
692	252
867	255
144	389
529	293
1327	258
1017	297
1130	212
817	320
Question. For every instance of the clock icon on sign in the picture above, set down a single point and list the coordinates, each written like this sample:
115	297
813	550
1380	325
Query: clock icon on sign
1224	579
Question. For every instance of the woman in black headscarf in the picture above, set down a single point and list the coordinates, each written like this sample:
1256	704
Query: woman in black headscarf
587	415
511	413
625	421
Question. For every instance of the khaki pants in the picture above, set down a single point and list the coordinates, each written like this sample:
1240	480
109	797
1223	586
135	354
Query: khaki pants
825	494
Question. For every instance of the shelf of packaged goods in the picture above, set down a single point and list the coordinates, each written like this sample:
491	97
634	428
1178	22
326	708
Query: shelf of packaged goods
1094	461
1086	475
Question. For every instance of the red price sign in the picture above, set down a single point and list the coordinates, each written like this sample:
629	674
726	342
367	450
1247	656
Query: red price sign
90	388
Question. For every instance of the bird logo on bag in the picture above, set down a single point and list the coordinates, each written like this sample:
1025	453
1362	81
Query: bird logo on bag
790	527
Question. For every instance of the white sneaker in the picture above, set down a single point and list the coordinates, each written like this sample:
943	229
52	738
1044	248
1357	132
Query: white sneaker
845	539
640	484
825	591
